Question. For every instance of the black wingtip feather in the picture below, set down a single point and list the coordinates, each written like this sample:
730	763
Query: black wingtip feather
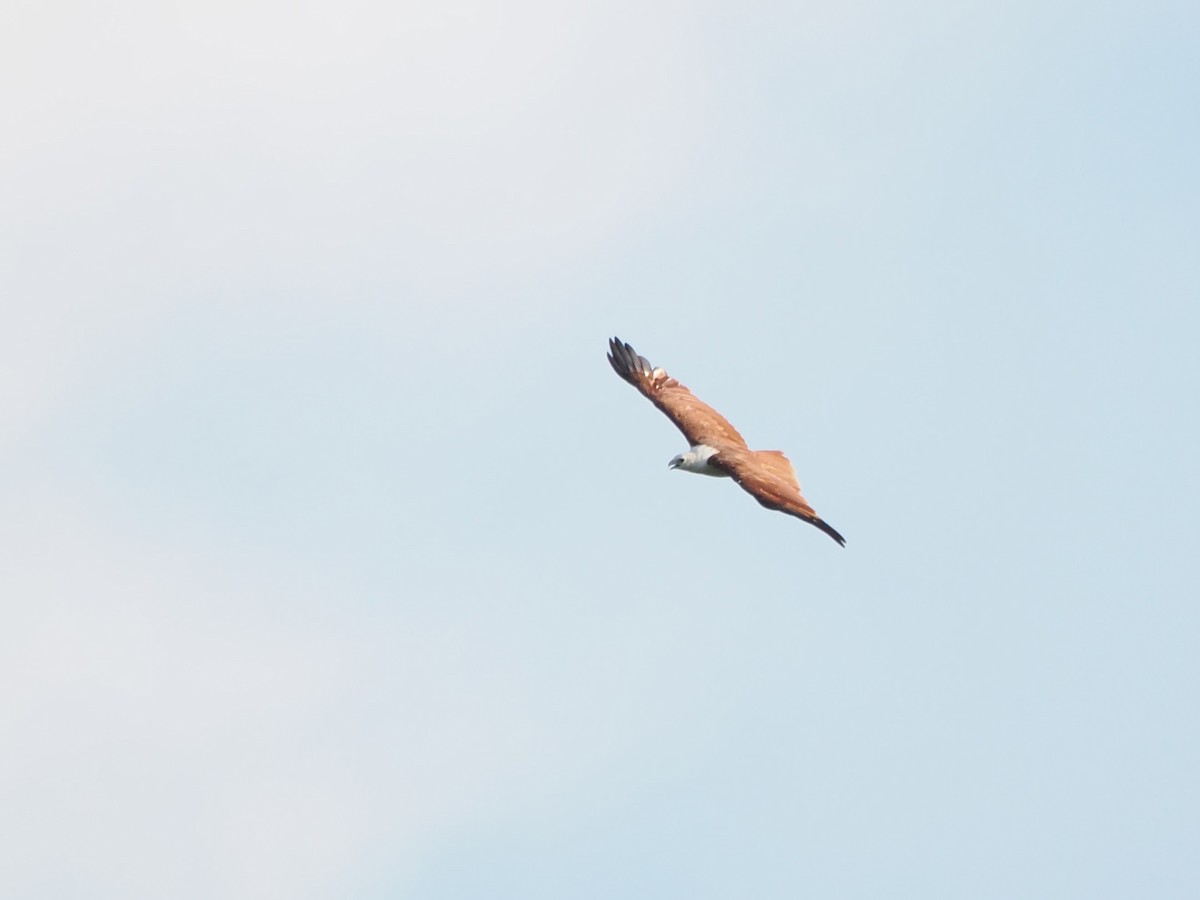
829	530
625	360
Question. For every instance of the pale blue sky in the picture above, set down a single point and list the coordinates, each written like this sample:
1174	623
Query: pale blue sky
337	563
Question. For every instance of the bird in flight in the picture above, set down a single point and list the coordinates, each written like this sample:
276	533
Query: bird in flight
715	446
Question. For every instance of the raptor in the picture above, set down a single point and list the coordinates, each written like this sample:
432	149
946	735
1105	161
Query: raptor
716	448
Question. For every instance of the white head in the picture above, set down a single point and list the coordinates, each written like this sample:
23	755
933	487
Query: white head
696	460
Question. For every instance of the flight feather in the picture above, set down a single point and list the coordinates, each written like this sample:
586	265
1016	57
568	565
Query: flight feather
769	478
699	422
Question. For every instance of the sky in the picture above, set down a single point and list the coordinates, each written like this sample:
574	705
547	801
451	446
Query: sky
335	562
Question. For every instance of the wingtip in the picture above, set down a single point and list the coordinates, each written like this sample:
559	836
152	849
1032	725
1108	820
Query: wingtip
614	348
831	531
617	358
625	359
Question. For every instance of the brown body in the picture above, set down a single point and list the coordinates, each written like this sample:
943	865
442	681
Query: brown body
766	475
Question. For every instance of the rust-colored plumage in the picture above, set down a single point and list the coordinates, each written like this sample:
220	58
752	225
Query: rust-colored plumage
766	475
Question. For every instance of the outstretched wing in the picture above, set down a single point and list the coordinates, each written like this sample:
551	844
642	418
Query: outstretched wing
770	479
699	422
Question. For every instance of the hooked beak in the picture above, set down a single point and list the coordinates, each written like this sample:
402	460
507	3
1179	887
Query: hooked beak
673	464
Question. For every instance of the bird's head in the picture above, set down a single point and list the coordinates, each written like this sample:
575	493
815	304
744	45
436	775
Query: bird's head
695	459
